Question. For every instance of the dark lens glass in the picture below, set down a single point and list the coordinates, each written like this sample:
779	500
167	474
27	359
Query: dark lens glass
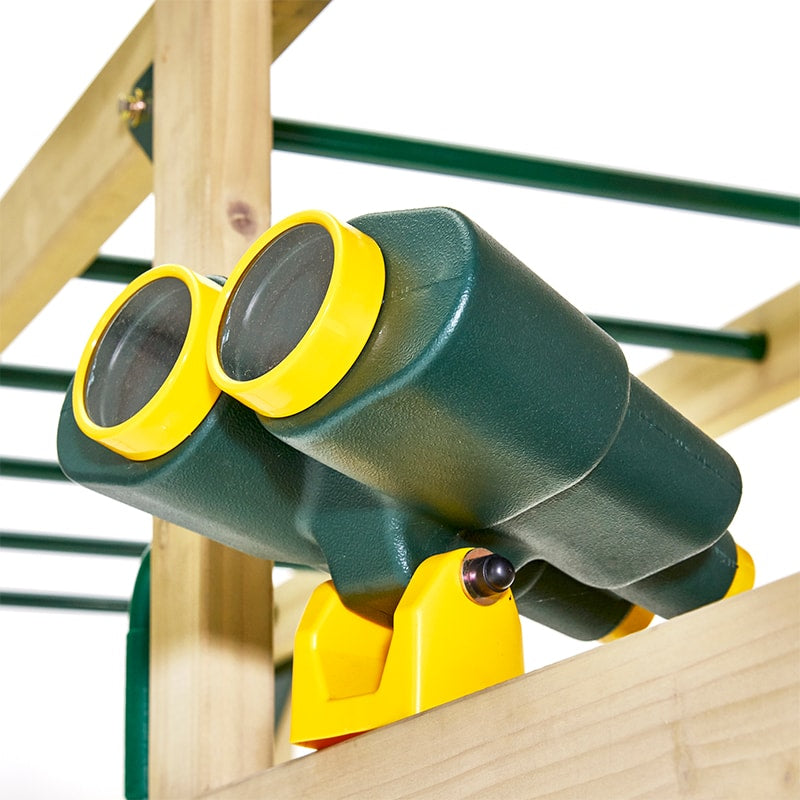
137	351
275	302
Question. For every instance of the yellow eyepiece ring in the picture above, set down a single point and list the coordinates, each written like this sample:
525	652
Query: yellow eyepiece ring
336	336
185	397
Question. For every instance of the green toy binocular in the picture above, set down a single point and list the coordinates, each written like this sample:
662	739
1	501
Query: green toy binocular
359	397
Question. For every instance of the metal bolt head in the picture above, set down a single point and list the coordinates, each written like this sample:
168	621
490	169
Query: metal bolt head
486	575
134	108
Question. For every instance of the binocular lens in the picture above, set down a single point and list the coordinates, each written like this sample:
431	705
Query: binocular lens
137	351
295	313
276	301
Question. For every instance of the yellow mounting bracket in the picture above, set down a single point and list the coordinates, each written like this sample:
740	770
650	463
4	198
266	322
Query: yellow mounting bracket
351	674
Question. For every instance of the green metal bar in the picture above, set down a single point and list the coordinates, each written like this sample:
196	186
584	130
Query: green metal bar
115	269
729	344
63	602
31	470
40	542
13	540
540	173
137	685
49	380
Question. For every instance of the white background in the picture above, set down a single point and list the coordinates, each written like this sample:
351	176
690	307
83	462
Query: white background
702	90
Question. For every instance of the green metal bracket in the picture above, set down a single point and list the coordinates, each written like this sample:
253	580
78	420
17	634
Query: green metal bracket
136	109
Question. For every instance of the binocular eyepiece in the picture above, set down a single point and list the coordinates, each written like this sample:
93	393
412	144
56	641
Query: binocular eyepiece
417	390
142	385
296	314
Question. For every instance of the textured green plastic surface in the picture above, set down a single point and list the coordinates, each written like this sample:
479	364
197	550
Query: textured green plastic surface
466	403
675	590
484	411
228	481
483	398
559	601
235	483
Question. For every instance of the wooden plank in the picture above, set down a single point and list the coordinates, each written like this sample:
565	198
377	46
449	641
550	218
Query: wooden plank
706	705
719	394
87	179
84	181
211	676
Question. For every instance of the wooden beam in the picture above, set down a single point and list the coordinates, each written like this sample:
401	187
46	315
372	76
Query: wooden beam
719	394
84	181
88	178
289	19
211	675
706	705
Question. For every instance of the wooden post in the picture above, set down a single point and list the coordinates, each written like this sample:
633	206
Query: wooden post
211	707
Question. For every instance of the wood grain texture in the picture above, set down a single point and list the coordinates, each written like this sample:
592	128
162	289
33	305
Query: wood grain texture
211	707
289	19
706	705
88	178
84	181
719	394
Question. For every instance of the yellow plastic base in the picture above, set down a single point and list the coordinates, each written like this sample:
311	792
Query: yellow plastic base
637	619
745	576
352	675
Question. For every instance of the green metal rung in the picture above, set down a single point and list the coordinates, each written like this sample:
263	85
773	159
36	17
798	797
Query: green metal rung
49	380
31	470
115	269
63	602
728	344
14	540
541	173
